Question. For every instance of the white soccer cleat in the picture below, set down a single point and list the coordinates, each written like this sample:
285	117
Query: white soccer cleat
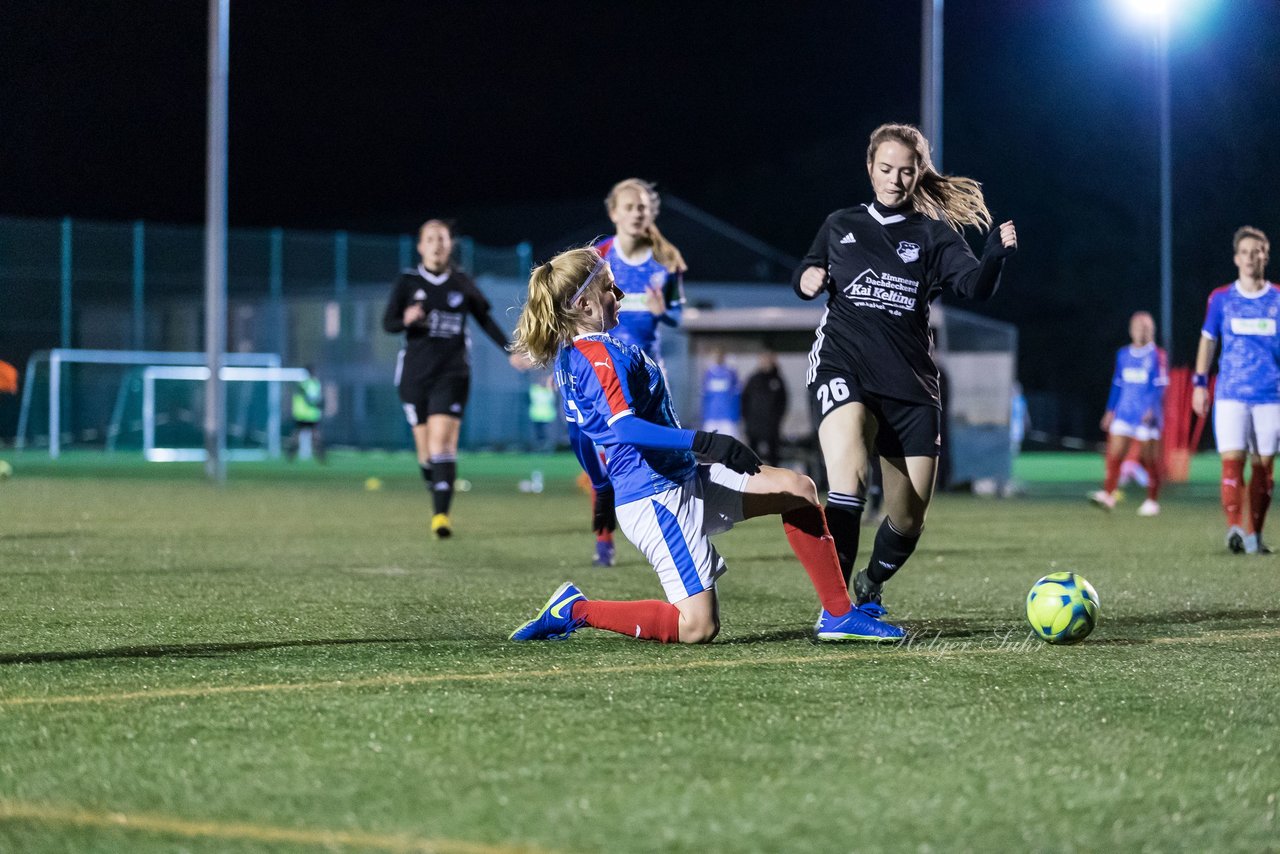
1102	498
1150	507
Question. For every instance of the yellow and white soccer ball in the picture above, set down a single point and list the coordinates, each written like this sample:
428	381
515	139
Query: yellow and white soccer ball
1062	608
6	470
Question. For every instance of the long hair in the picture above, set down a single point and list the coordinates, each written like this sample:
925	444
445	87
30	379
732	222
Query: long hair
548	319
955	200
664	251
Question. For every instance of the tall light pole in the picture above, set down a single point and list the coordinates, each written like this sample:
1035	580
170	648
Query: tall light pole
215	244
931	76
1158	14
1166	184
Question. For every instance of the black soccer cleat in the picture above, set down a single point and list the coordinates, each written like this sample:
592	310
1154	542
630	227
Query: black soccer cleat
866	591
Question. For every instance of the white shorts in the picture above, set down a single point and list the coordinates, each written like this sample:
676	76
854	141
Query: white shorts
673	528
1240	426
1141	432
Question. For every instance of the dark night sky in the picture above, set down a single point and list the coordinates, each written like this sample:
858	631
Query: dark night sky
370	115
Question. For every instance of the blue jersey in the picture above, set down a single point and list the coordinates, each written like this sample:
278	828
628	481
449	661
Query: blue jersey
1137	387
636	324
602	380
1245	325
721	394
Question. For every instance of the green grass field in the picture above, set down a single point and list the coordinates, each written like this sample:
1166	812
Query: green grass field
289	663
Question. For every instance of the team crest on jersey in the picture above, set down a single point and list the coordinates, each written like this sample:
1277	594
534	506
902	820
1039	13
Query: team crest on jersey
455	299
908	251
419	295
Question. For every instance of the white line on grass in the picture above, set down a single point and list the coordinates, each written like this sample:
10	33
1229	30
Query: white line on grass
930	647
209	829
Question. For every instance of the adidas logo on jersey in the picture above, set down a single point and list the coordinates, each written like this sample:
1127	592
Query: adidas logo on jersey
849	238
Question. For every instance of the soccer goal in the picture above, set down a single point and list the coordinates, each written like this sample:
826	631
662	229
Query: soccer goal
97	399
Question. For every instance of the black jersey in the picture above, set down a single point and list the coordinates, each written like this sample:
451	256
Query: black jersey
438	343
884	267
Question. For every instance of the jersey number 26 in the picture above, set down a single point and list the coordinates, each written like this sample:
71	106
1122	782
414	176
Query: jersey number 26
832	392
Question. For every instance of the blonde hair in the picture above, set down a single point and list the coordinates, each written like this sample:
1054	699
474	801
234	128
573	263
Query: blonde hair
664	251
955	200
1245	232
548	319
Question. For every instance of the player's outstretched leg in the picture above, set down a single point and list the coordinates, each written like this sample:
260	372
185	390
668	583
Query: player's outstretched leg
555	621
650	619
795	498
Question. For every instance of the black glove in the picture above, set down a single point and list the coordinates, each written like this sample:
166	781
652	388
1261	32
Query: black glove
604	517
727	450
994	248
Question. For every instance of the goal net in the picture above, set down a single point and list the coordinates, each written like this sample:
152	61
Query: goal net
150	401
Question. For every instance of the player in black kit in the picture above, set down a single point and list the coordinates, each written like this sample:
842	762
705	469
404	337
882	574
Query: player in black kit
872	381
430	304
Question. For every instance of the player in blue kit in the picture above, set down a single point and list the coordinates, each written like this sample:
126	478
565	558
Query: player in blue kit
1135	412
674	488
1241	318
646	266
721	397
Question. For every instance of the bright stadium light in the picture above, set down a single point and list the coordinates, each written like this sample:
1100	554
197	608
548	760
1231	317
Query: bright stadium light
1147	10
1157	16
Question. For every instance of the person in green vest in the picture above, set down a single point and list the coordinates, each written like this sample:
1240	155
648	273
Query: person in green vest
542	413
308	408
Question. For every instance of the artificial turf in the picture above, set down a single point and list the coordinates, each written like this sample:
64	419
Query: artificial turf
289	662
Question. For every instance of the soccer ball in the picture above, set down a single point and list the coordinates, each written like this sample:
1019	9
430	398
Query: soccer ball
1062	608
6	470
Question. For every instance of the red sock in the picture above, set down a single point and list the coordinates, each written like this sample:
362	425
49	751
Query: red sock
1112	479
1153	482
1261	483
648	618
604	537
811	541
1232	474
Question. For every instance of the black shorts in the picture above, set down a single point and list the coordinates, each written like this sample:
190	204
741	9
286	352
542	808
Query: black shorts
904	428
442	395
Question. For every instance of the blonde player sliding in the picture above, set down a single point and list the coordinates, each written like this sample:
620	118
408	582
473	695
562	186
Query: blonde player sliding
674	488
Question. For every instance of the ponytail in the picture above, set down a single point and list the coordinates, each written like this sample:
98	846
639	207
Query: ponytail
664	251
548	320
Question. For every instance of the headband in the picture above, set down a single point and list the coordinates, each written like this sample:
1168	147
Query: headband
577	295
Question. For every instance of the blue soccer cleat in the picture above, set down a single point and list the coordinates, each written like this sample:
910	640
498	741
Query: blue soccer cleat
555	621
857	625
606	554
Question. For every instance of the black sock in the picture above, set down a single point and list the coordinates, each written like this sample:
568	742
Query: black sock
444	470
890	552
844	519
425	468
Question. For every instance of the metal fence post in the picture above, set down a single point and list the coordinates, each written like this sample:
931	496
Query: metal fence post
65	337
139	278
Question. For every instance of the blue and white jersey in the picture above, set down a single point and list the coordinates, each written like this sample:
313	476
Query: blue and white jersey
1245	325
721	394
1137	387
602	380
636	324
